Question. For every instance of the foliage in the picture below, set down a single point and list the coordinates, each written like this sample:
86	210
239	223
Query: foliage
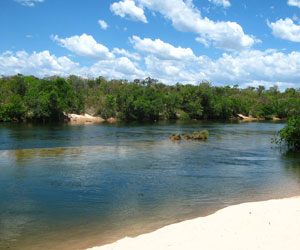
12	111
48	99
202	135
290	134
109	107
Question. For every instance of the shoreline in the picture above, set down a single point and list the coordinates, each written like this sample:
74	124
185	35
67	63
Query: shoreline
272	224
91	119
86	118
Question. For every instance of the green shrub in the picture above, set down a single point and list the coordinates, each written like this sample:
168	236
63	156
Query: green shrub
13	111
182	115
4	117
290	134
202	135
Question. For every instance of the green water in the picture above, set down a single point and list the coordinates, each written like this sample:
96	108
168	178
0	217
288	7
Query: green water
73	187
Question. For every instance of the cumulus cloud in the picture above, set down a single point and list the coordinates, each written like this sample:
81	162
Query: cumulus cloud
224	35
103	24
249	67
84	45
119	68
286	29
243	68
223	3
44	64
254	65
134	56
127	8
29	3
162	50
186	17
295	3
39	64
173	71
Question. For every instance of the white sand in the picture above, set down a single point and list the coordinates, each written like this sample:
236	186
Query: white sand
268	225
86	118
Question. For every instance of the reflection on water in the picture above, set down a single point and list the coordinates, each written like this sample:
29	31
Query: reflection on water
71	187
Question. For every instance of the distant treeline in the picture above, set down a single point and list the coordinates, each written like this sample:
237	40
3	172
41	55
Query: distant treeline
48	99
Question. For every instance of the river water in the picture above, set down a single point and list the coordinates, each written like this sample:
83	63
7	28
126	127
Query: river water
76	186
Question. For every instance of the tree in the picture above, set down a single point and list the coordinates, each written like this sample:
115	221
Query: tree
290	134
109	107
13	111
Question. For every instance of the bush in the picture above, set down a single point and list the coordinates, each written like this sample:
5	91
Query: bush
290	134
13	111
182	115
202	135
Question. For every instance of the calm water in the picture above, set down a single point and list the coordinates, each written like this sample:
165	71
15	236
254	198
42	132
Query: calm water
72	187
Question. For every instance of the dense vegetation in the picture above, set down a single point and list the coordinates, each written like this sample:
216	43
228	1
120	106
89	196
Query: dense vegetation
290	134
48	99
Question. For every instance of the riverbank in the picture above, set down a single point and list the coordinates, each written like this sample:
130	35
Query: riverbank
86	118
250	118
273	224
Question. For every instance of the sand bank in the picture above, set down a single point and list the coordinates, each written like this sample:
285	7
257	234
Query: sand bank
250	118
267	225
84	118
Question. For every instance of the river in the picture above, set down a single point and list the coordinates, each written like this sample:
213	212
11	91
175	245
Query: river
68	186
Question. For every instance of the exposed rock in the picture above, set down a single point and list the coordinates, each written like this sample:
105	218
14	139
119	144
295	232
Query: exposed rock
188	137
175	137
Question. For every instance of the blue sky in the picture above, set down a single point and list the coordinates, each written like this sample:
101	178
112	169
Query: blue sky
226	42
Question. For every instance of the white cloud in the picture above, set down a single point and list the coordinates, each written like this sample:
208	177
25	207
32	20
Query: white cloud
162	50
134	56
103	24
225	35
127	8
119	68
44	64
286	29
249	67
295	3
39	64
246	67
255	66
29	3
173	71
223	3
84	45
186	17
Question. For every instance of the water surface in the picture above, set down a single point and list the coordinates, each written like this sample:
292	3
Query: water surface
72	187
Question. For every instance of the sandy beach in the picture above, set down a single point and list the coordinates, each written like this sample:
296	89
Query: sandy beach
269	225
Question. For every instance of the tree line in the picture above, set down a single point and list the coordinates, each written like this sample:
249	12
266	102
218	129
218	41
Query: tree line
50	98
